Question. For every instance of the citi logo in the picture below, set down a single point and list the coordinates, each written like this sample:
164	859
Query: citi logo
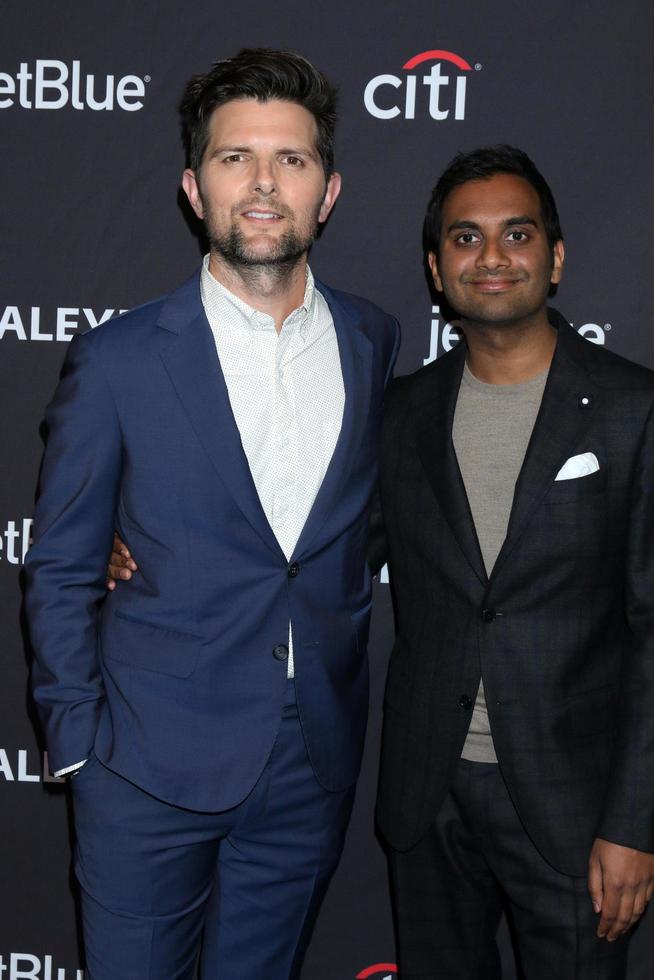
26	966
442	340
52	84
388	96
379	971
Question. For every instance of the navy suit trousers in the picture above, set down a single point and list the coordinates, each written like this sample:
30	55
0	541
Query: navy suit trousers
162	886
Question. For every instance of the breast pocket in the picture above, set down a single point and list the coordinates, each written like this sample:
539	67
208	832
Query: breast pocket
579	487
574	520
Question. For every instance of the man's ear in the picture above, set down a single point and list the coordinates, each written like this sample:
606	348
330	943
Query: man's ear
558	254
433	265
192	191
332	191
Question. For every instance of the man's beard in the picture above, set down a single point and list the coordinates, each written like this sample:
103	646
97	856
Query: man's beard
282	253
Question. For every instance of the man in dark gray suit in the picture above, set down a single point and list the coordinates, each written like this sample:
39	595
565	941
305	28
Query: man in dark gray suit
516	493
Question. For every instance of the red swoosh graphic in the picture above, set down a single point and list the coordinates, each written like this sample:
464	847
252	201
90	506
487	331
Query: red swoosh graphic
438	56
377	968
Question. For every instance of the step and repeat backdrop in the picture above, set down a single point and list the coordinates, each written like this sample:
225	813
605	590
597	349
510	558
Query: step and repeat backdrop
93	223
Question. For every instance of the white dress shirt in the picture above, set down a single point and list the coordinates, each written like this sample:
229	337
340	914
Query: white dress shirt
287	395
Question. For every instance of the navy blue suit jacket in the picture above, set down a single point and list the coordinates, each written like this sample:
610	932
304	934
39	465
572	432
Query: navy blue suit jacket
172	682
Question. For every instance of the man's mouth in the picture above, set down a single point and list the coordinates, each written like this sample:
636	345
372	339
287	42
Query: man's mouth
494	285
262	215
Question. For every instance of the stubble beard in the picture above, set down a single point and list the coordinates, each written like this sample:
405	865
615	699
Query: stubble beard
233	248
273	267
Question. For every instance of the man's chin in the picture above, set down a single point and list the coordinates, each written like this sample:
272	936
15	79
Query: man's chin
494	314
262	258
267	260
263	252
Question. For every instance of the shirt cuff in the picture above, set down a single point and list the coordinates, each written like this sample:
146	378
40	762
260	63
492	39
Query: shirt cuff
69	769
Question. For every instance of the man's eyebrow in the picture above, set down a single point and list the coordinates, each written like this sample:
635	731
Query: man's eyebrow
305	151
456	225
300	151
521	219
229	148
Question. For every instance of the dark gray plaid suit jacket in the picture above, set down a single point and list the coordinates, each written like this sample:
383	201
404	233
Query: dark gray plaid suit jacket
563	631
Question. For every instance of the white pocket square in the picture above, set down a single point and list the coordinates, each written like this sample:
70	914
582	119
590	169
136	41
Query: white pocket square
582	465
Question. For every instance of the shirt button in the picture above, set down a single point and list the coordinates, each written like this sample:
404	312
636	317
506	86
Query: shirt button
465	702
293	570
280	652
488	615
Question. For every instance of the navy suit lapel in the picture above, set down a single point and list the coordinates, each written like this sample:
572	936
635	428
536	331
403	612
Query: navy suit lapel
189	355
436	450
355	352
569	401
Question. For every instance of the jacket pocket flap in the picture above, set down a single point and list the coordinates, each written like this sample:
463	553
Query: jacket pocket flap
149	646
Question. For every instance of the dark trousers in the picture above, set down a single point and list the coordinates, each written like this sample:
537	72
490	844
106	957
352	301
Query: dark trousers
155	877
450	888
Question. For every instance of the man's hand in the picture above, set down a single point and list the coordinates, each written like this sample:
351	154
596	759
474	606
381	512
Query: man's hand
620	882
121	564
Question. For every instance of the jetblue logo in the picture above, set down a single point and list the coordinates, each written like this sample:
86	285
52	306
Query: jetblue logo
26	966
443	338
15	539
439	92
52	84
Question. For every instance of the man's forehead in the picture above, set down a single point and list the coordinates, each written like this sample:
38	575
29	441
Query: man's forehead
498	197
270	117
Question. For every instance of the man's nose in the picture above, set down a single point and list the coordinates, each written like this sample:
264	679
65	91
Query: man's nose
493	255
264	181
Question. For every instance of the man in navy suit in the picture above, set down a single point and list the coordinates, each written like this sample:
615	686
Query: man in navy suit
214	721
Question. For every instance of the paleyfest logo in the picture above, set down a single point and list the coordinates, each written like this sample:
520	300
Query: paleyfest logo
388	96
380	971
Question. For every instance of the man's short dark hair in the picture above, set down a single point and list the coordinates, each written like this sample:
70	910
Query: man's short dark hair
480	164
262	74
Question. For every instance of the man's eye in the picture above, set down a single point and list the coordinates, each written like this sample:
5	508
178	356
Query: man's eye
293	161
233	158
467	238
517	236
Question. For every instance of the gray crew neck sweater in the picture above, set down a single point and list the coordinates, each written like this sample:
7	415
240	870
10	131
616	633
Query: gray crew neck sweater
491	431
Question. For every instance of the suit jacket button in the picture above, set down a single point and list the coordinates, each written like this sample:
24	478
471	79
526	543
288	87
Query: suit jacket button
280	652
465	702
293	570
488	615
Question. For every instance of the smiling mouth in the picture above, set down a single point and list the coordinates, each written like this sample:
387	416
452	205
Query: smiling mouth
262	215
493	285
